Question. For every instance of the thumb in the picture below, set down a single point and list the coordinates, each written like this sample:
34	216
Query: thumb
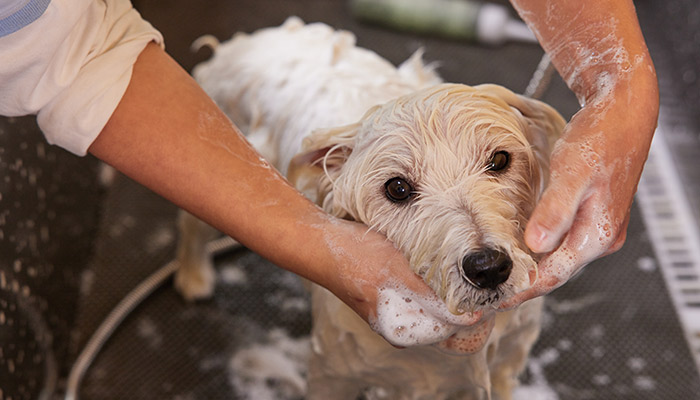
555	213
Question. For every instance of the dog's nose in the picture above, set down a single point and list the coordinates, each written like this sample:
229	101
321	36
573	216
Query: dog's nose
487	269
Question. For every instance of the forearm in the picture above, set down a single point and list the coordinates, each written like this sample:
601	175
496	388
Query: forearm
168	135
597	46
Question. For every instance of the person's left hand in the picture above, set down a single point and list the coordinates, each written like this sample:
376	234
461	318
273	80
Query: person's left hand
374	279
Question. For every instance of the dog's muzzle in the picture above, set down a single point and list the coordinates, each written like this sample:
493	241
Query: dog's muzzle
487	268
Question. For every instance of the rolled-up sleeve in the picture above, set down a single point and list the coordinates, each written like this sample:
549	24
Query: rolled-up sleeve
71	67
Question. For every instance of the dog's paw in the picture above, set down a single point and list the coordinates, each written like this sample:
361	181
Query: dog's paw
196	283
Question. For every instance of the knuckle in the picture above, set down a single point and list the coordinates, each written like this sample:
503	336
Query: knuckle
617	244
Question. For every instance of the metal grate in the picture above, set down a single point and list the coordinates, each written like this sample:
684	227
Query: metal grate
674	235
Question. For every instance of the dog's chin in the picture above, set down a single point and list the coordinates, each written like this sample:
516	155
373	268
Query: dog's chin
491	299
462	297
483	300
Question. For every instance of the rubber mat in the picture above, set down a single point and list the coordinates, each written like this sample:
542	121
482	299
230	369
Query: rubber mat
49	202
610	333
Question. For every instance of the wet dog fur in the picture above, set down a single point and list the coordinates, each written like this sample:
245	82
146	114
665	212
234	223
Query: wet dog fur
449	173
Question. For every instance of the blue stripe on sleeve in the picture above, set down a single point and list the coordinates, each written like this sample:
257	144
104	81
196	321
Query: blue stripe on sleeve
23	17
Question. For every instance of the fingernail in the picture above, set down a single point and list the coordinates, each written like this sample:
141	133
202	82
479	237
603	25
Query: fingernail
536	238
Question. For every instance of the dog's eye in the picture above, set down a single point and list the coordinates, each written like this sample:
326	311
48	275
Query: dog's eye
499	161
398	189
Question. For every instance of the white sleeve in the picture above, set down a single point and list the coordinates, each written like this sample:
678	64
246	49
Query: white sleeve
71	67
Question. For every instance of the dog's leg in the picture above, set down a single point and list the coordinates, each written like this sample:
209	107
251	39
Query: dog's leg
510	357
324	388
195	277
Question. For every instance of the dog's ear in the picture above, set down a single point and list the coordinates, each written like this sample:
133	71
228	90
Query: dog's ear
543	125
314	170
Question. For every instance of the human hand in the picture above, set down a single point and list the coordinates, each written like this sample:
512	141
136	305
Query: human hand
373	278
599	50
595	169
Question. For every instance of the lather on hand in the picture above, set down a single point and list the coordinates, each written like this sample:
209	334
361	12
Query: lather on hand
599	50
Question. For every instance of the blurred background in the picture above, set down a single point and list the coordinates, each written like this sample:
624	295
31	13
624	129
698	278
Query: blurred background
75	238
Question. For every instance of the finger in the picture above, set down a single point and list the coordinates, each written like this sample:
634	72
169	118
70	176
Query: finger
584	243
469	340
621	237
555	212
553	271
543	286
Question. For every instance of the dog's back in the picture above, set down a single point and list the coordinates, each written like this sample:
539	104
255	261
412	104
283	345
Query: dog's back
279	84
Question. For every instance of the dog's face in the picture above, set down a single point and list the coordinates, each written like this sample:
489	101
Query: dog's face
450	175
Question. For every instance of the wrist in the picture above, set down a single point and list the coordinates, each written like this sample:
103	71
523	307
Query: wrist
623	107
623	81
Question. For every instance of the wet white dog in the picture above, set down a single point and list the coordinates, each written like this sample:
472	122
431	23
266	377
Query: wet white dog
449	173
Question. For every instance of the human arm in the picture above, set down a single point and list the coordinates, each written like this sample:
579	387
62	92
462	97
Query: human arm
598	48
167	134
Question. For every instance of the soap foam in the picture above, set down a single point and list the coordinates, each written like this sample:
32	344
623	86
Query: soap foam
406	319
471	339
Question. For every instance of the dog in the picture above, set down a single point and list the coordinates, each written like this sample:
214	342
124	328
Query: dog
449	173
